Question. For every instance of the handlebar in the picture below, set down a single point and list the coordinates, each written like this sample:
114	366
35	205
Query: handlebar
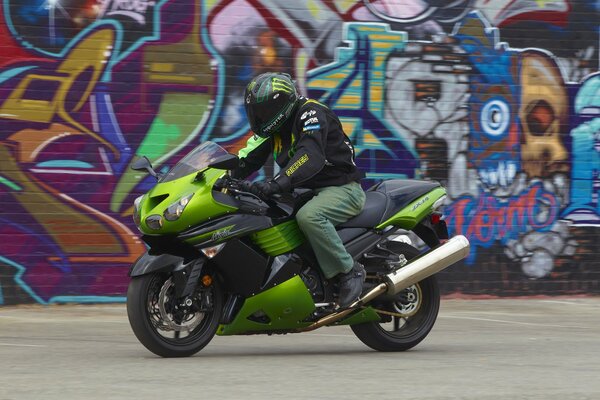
240	187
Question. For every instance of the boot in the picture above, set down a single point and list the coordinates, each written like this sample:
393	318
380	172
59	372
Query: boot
351	284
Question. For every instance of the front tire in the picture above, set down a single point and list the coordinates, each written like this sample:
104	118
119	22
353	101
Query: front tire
164	325
407	317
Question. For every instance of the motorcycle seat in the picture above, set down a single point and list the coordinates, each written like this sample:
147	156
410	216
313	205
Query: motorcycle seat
370	216
387	198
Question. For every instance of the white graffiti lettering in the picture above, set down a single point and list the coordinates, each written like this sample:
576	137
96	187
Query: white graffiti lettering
134	9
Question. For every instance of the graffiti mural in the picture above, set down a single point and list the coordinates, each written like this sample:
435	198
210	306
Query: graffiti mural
499	100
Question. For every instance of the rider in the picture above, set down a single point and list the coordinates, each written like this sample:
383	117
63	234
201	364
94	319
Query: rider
308	143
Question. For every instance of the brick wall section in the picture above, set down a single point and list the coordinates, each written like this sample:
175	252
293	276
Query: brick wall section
498	100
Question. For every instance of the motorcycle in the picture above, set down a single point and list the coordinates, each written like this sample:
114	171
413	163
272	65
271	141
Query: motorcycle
223	261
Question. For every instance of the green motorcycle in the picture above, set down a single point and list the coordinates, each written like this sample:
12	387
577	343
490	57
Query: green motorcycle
223	261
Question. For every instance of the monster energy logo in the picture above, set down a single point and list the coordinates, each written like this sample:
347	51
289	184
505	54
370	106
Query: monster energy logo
277	84
282	85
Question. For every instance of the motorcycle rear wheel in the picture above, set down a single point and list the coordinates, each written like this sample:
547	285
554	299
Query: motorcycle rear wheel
166	327
407	318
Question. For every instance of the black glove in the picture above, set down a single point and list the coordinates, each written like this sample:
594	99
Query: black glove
245	186
265	189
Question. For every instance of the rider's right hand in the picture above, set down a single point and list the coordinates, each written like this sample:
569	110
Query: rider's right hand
245	186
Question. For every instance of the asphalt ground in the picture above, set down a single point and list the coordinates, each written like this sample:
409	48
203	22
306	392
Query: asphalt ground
546	349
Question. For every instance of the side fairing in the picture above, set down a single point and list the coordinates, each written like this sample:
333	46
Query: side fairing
283	307
279	239
224	228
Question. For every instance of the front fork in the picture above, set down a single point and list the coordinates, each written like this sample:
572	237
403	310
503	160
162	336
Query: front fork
187	277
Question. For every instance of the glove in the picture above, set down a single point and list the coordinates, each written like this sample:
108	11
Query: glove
265	189
262	189
245	186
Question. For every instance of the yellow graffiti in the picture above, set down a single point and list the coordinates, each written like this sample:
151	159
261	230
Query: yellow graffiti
75	227
91	54
543	114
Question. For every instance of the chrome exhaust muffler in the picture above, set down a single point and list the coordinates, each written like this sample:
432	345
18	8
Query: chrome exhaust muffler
428	264
415	271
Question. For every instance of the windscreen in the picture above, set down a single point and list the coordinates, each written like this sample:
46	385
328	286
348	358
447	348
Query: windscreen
196	160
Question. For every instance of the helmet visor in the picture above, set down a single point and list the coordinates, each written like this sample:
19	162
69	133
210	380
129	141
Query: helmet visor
268	116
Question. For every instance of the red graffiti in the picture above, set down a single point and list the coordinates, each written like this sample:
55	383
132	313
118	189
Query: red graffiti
486	219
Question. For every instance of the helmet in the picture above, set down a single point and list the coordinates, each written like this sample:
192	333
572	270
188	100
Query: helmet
269	101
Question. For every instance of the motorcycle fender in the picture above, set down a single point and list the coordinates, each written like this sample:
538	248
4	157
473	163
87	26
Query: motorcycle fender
148	263
185	276
431	234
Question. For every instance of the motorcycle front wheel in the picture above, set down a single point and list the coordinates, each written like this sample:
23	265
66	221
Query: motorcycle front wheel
407	317
171	327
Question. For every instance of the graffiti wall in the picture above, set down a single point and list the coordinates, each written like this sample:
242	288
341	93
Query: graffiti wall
497	99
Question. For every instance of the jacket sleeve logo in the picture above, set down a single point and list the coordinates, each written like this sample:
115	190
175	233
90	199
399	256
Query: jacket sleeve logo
308	113
301	161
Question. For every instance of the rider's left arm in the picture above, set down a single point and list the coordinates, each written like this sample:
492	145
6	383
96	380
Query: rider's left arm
252	157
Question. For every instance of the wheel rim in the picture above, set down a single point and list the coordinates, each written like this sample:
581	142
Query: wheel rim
409	301
174	322
405	316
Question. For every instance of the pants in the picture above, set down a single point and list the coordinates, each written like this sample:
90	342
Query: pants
317	219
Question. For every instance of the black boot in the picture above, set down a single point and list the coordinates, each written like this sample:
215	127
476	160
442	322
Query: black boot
351	284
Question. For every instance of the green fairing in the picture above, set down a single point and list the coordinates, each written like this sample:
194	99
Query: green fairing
286	305
409	216
201	207
279	239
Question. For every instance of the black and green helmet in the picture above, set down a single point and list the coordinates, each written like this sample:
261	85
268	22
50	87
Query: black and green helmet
269	101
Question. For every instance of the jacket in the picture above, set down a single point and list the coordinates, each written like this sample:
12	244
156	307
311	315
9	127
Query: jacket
312	150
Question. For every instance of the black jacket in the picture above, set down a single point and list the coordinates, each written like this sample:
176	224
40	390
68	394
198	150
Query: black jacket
313	151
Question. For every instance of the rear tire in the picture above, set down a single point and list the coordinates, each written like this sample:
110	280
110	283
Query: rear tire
155	316
415	311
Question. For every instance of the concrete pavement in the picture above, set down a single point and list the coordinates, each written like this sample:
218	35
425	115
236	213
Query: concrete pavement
479	350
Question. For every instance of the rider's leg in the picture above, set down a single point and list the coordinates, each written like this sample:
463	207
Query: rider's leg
331	206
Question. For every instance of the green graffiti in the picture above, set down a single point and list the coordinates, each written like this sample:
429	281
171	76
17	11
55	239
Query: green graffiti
180	118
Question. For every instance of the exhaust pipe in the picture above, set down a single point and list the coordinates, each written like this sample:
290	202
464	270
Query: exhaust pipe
415	271
428	264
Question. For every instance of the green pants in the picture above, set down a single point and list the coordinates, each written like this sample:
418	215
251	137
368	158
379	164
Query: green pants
317	219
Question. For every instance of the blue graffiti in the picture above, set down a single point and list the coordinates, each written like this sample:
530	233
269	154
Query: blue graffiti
584	207
494	146
350	86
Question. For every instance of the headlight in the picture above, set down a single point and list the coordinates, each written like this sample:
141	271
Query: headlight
136	210
154	221
175	210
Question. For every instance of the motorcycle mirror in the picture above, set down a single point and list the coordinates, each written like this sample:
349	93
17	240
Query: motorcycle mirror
142	164
228	161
